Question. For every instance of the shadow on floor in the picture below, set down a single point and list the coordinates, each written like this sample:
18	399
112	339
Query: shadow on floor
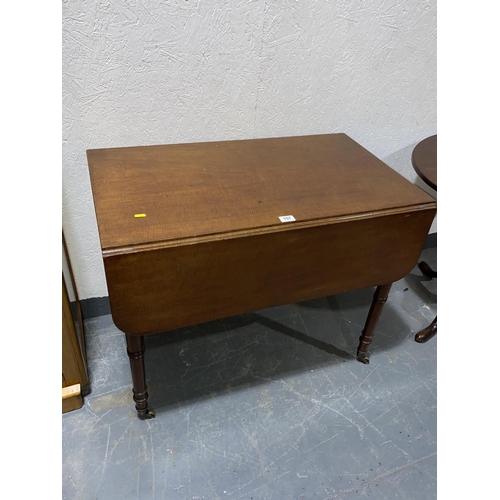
417	283
235	353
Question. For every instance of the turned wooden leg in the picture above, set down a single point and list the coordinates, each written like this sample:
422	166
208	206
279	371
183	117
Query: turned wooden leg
365	340
427	333
135	351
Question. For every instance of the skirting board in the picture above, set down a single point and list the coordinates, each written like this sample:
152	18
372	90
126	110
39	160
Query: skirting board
99	306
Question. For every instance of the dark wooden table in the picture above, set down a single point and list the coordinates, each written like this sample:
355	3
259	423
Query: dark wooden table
196	232
424	161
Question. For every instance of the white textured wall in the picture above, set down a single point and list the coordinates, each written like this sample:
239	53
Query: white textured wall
140	73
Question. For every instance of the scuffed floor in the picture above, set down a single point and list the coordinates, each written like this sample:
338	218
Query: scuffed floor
271	405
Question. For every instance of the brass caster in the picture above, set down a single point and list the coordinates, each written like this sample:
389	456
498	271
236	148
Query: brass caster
363	358
146	414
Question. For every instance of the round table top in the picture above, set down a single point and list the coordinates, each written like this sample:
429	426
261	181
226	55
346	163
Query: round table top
424	160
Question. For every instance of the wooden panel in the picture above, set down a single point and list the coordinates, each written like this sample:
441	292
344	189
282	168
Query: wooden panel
166	288
192	190
71	398
73	368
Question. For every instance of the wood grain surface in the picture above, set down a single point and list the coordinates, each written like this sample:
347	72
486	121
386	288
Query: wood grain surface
166	288
208	242
208	189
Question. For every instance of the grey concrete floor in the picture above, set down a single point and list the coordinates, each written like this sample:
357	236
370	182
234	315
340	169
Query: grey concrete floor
270	405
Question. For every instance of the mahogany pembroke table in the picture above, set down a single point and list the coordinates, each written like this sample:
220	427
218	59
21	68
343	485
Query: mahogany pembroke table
196	232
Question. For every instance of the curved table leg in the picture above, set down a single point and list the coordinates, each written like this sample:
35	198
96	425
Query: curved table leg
379	299
135	351
427	333
427	270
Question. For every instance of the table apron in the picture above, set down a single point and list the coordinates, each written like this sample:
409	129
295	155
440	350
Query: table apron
157	290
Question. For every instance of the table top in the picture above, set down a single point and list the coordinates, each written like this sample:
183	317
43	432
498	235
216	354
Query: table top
424	160
165	193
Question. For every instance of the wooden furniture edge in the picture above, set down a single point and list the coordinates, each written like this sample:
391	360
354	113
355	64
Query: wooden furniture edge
112	251
72	361
71	398
182	256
